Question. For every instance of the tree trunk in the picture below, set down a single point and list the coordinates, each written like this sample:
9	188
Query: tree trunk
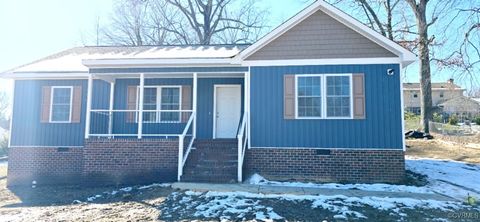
425	75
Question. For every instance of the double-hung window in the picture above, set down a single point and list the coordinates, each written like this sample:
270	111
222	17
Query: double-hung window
323	96
61	104
338	96
309	96
158	101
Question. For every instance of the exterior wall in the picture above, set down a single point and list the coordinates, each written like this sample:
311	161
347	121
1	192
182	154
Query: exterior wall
45	165
100	162
381	129
27	130
204	102
410	101
121	161
342	165
320	37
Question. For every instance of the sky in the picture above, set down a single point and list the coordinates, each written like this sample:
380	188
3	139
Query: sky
32	29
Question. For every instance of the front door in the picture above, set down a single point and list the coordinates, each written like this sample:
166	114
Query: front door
227	110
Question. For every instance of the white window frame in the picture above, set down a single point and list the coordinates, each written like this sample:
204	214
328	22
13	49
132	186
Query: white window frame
159	103
323	95
52	91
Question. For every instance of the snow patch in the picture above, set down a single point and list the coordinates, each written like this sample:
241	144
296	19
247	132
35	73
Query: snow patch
259	180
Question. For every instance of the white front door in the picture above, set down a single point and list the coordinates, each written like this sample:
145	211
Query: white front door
227	110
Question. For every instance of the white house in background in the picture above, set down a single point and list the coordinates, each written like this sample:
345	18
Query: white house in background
441	92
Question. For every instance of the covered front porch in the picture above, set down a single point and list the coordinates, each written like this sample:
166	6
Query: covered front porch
189	106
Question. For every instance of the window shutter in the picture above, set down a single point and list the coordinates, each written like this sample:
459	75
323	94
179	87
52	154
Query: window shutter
289	96
358	80
76	104
46	100
186	102
131	103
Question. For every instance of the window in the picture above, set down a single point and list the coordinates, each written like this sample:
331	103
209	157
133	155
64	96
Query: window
160	98
309	96
415	95
61	104
170	101
150	103
441	95
338	96
324	96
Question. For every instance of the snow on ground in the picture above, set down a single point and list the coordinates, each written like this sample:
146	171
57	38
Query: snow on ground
259	180
236	205
448	177
451	178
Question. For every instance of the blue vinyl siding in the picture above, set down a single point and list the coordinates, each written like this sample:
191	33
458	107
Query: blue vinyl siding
27	129
381	129
205	106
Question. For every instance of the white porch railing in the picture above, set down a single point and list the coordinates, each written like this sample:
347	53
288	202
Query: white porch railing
124	123
182	157
242	145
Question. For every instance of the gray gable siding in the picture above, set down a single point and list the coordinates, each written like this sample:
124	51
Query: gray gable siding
320	37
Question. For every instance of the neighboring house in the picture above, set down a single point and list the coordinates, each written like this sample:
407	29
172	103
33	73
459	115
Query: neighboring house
441	92
318	98
462	106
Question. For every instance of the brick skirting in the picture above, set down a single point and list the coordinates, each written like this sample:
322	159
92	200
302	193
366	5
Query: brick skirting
99	162
130	160
45	165
340	165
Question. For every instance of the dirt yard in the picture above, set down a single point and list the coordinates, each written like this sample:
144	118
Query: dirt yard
159	202
465	149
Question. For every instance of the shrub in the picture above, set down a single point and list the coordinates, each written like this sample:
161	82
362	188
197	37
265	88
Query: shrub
410	115
437	117
453	120
3	145
476	120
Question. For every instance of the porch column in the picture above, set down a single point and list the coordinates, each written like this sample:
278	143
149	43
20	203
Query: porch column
194	105
110	108
89	106
140	106
247	103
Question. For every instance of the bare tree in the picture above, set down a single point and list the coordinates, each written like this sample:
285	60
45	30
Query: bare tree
157	22
128	26
4	106
210	18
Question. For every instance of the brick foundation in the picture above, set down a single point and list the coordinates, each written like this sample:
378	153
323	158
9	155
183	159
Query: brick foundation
99	162
130	160
45	165
341	165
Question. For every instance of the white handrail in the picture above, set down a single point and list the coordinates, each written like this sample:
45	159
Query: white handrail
181	158
242	144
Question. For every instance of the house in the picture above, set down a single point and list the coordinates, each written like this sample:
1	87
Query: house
461	106
319	98
441	92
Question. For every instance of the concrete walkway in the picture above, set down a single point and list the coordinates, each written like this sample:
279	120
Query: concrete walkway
272	189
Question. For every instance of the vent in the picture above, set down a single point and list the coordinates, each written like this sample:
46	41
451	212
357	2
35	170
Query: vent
63	149
323	152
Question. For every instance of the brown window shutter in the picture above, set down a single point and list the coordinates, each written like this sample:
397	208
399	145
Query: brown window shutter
76	104
358	80
46	100
186	102
131	103
289	96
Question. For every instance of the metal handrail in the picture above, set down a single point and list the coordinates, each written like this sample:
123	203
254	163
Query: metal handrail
181	157
242	144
